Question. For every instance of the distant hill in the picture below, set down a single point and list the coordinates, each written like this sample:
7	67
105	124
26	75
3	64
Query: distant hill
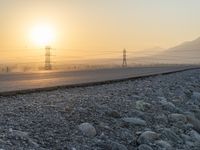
187	53
190	46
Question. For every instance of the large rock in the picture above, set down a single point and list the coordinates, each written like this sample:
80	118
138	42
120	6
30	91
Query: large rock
144	147
147	137
171	136
134	121
87	129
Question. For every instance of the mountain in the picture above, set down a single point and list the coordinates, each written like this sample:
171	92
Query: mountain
185	53
190	46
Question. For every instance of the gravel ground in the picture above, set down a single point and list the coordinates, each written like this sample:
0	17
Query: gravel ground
156	113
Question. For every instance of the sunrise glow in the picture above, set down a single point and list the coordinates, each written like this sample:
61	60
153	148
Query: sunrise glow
42	34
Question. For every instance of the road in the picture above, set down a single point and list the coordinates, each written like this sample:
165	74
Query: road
25	81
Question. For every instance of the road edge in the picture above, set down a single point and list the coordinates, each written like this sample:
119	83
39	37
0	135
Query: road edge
46	89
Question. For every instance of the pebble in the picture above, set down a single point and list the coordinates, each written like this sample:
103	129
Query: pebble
113	114
24	136
147	137
111	145
177	117
161	118
196	96
195	135
162	115
18	133
168	105
195	122
163	144
87	129
134	121
141	105
144	147
172	136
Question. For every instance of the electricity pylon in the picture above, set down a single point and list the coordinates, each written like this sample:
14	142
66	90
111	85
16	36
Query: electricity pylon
124	64
48	58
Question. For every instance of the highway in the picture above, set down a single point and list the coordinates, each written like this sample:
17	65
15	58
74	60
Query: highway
15	82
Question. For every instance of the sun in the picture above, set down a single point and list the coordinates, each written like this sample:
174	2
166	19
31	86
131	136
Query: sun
42	34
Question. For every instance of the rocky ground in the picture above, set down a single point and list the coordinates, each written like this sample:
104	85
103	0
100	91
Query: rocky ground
156	113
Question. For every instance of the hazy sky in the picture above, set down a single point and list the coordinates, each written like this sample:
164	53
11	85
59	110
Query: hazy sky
99	24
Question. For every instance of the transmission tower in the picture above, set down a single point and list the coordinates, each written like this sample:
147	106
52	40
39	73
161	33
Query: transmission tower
124	64
48	58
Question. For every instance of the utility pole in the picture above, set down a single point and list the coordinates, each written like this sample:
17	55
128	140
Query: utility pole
48	58
7	69
124	64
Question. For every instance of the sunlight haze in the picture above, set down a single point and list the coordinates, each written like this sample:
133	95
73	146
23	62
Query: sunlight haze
82	26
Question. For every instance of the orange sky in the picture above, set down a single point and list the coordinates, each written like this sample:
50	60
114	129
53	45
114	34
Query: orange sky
97	26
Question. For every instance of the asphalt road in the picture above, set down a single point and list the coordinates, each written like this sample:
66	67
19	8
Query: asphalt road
25	81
